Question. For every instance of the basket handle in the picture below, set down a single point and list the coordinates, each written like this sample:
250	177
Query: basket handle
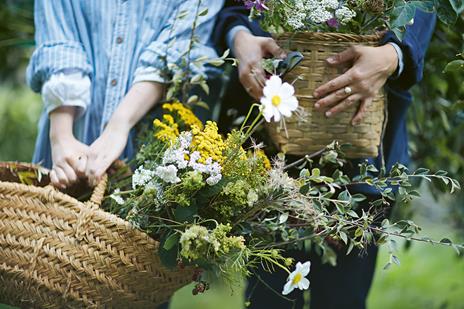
99	191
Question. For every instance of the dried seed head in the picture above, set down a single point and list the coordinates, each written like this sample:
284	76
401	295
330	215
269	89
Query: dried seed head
375	6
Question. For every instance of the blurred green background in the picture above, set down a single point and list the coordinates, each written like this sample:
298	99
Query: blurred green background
428	277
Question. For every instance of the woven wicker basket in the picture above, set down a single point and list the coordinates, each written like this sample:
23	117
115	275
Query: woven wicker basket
57	252
318	131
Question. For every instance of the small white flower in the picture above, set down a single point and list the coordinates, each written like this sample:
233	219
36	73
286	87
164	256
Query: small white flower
319	15
331	4
278	99
297	278
141	177
185	139
176	156
213	179
345	15
167	173
116	197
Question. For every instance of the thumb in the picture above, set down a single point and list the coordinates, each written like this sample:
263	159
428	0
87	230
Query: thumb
345	56
270	47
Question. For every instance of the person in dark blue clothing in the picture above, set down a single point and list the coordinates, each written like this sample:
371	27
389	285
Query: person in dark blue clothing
397	66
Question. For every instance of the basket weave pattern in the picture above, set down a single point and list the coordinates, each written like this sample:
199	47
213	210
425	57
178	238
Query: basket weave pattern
305	137
57	252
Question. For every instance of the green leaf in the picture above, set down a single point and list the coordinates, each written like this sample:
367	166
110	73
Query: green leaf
424	5
454	66
344	237
168	257
387	266
350	248
446	12
395	260
204	12
458	5
202	105
316	172
185	214
446	241
353	214
171	241
358	197
402	15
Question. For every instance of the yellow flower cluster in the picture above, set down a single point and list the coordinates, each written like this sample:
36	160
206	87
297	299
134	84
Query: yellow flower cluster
184	113
261	155
208	142
166	130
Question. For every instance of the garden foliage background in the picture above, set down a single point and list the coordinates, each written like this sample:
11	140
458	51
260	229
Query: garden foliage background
428	277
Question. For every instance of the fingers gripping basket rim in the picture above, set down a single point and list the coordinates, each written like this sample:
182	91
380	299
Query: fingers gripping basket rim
57	252
317	131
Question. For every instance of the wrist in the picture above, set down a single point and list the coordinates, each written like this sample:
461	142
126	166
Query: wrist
241	36
119	123
61	123
392	60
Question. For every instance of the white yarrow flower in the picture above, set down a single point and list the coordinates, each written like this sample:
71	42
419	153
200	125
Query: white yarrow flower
213	179
278	100
116	197
167	173
141	177
345	15
297	278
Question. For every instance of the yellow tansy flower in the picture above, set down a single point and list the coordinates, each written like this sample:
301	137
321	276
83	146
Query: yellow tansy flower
166	130
261	155
208	142
184	113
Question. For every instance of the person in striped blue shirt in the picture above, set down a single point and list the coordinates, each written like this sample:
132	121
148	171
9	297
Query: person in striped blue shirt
99	66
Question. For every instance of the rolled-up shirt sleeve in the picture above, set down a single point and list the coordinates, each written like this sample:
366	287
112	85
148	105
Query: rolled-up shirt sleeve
58	46
171	44
67	90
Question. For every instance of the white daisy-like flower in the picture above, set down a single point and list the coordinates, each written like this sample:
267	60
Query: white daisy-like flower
278	100
167	173
297	278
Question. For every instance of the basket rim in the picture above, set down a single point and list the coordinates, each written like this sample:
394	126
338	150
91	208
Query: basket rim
330	36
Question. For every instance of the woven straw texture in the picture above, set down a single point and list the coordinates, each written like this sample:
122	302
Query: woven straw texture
305	137
57	252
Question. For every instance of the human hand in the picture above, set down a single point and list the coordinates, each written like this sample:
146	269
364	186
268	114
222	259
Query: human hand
369	71
69	155
250	50
108	147
105	150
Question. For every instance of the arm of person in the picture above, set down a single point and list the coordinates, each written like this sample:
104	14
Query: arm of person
142	97
370	68
167	47
60	70
248	43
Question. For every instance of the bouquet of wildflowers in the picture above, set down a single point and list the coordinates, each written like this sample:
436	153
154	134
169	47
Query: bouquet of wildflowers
344	16
219	203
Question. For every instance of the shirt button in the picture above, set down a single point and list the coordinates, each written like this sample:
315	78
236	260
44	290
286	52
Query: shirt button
114	82
119	40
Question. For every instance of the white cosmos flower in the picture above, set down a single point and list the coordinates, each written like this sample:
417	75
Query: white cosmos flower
278	99
297	278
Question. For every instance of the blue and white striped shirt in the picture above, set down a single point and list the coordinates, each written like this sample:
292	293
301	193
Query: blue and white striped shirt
114	43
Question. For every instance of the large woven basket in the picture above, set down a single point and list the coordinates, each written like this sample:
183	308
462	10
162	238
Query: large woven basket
305	137
57	252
